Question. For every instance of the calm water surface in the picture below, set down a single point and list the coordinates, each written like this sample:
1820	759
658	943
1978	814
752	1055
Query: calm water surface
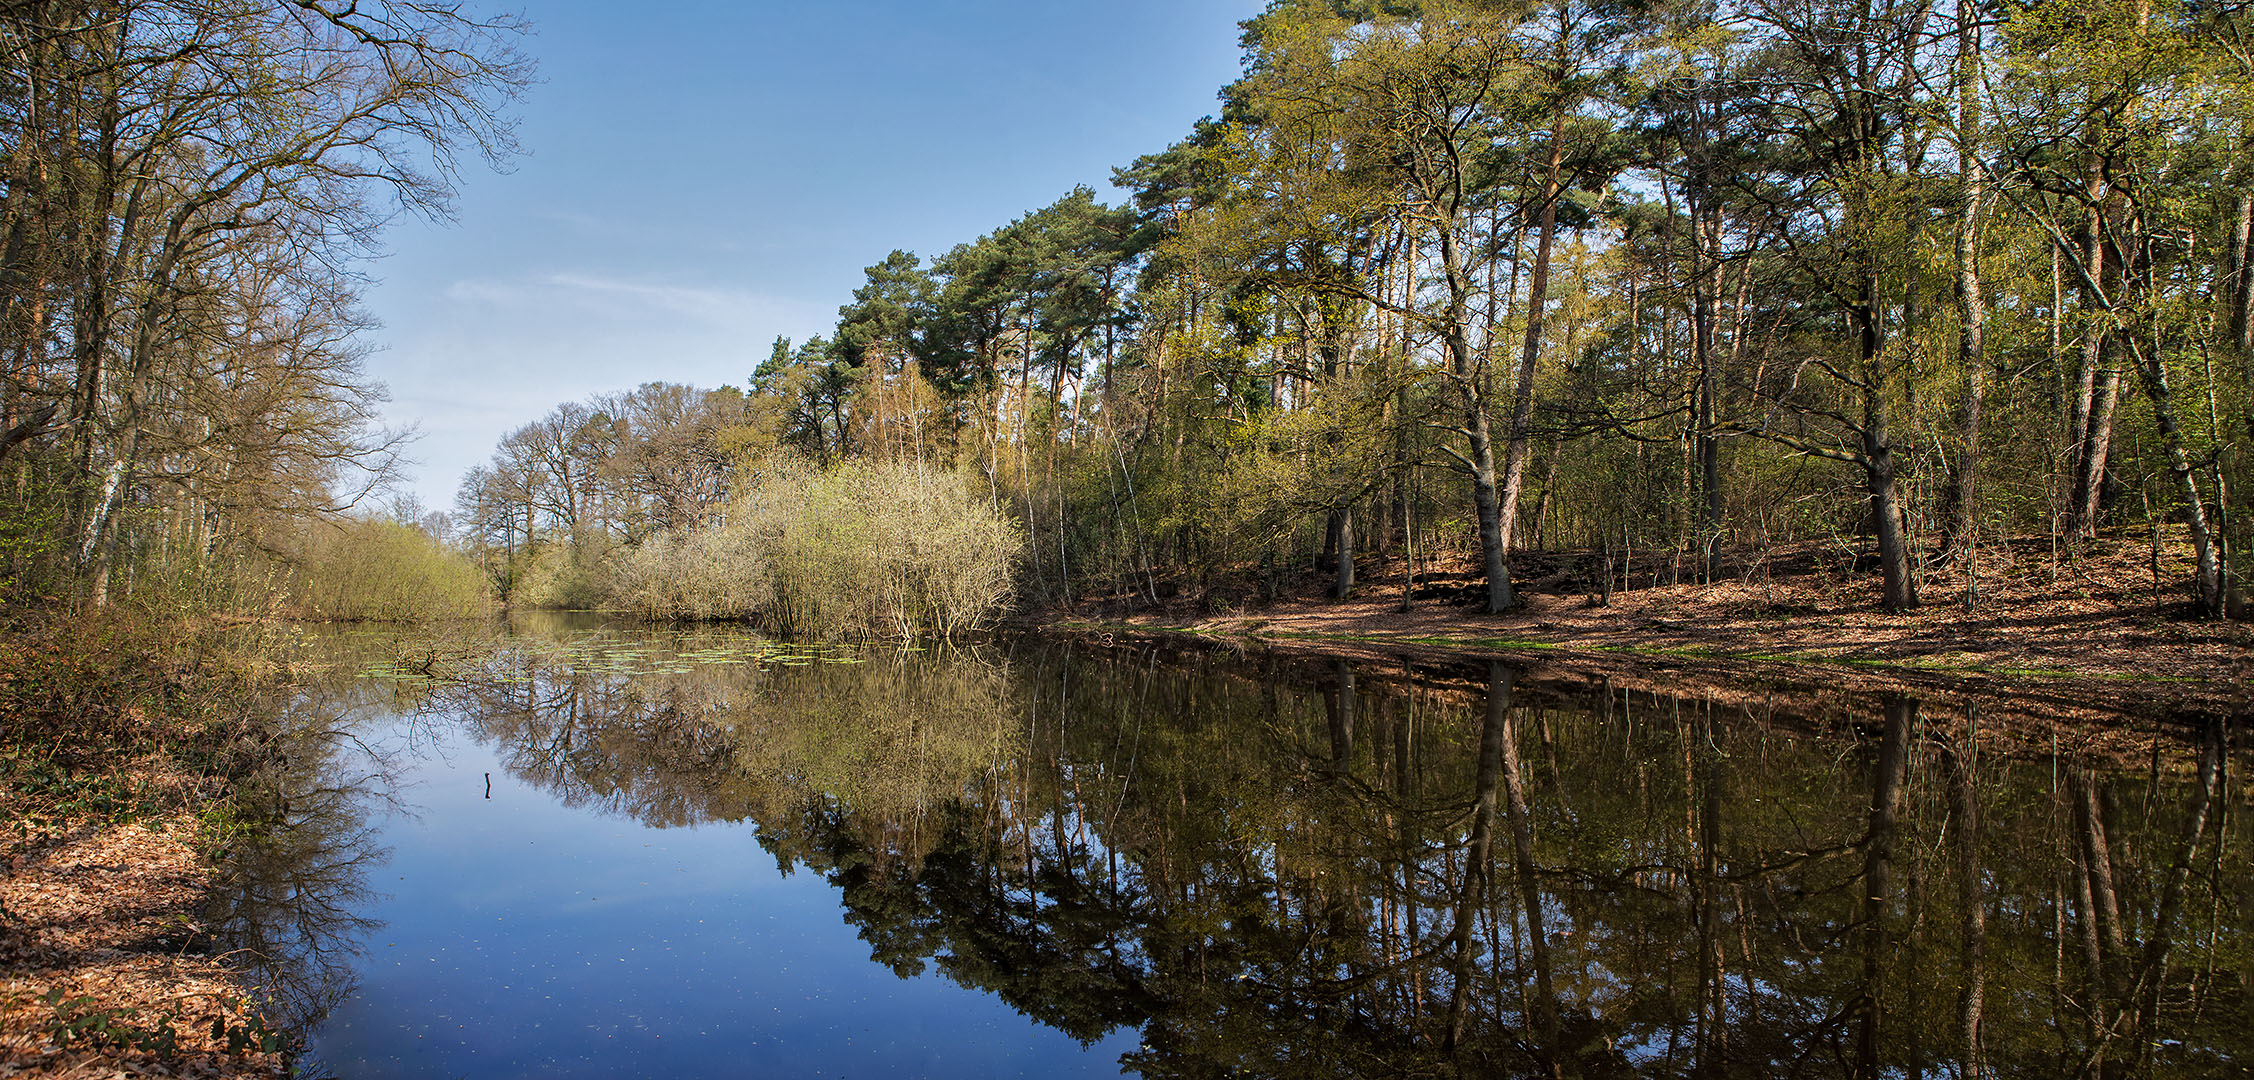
601	851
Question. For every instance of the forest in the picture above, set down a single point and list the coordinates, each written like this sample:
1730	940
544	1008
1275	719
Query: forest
1441	282
1449	280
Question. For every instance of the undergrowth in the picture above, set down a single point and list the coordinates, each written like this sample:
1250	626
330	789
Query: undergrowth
81	1019
113	716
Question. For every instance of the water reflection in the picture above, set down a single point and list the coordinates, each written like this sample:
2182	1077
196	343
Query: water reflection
1279	869
300	844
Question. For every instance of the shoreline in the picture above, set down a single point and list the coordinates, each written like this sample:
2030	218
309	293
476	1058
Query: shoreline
2085	716
2218	687
2094	629
2087	653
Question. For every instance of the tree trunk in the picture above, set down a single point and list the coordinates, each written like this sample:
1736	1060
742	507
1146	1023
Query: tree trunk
2099	385
1342	585
34	424
1964	486
1488	505
1878	462
2208	573
2238	298
2092	457
92	320
1895	567
1549	490
1706	301
1537	289
1469	376
98	542
1876	379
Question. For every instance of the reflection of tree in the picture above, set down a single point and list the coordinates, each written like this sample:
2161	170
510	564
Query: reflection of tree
2130	985
290	891
655	752
1755	912
1960	756
1288	873
701	742
1305	882
1868	1008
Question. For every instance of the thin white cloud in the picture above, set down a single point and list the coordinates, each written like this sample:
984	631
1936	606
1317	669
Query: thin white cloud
628	299
704	303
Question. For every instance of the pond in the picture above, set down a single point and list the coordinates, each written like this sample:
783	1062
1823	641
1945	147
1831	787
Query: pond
587	850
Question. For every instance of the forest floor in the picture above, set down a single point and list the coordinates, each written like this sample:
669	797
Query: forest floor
114	741
2109	624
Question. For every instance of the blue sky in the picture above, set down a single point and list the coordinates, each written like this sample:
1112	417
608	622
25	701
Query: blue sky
702	177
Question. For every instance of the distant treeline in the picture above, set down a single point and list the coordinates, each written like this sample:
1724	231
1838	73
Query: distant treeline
183	186
1465	276
684	503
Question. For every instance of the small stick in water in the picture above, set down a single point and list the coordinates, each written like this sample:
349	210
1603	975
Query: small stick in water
488	785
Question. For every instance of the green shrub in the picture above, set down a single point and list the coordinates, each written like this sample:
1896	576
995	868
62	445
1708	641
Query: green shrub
571	575
895	550
883	550
383	571
721	572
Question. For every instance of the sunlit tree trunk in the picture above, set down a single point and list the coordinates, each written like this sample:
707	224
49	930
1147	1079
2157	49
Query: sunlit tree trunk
1972	306
1537	301
1469	376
